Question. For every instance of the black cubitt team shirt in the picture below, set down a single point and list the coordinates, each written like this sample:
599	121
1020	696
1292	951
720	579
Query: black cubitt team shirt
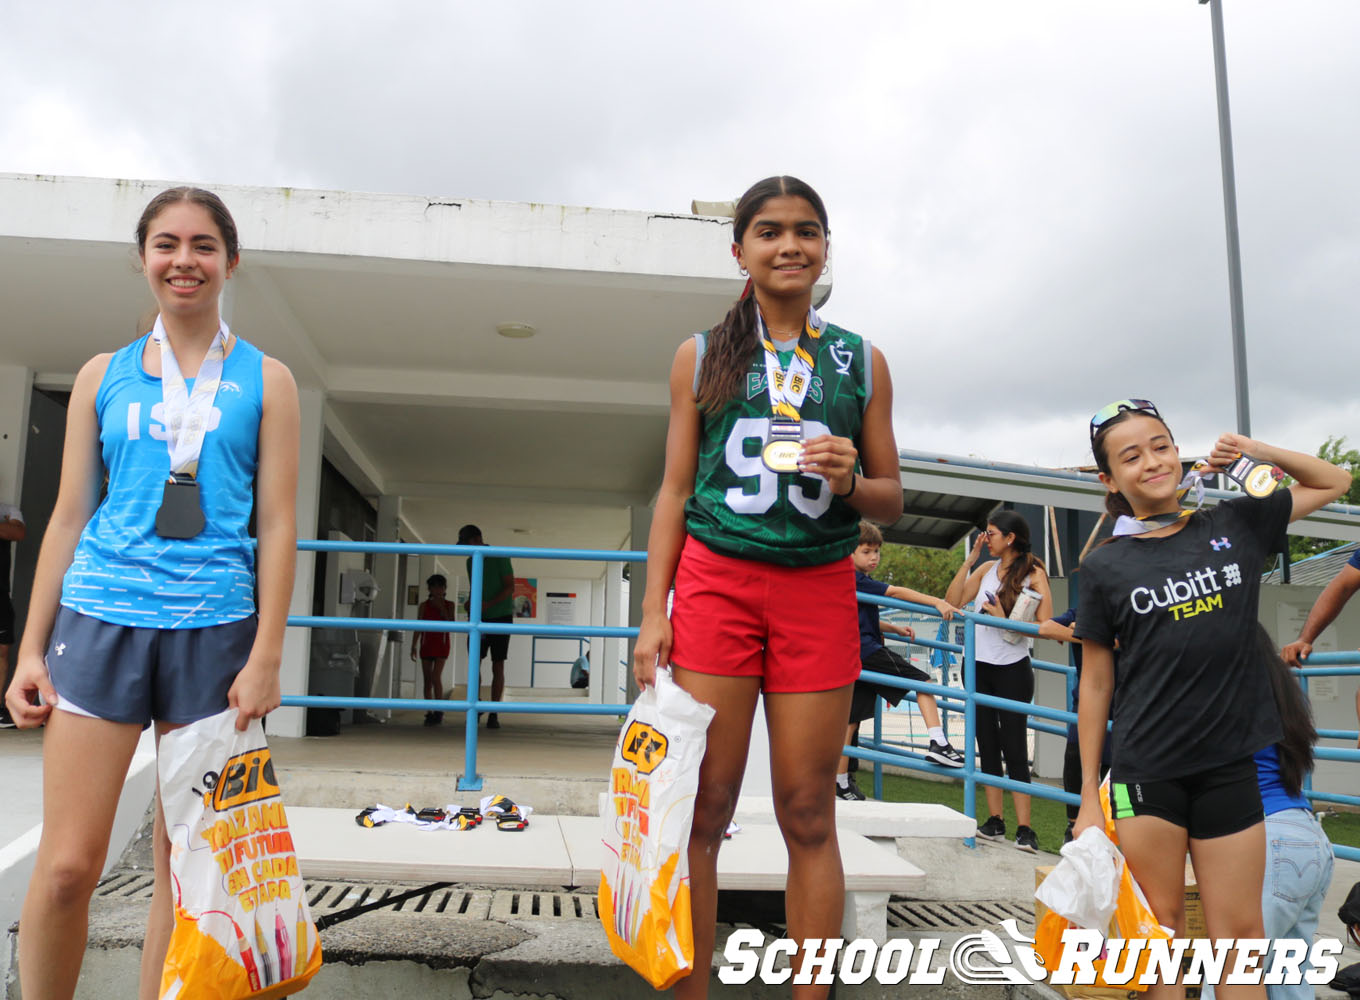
1192	693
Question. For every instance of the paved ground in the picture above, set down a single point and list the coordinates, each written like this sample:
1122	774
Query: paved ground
555	763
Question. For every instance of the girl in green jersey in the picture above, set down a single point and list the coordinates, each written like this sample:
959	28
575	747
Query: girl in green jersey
757	544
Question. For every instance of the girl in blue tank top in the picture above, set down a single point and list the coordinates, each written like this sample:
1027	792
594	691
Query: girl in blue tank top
153	605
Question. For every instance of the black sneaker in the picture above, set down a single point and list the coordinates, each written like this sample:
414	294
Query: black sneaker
993	829
5	721
1025	840
1067	834
493	721
850	792
430	719
944	755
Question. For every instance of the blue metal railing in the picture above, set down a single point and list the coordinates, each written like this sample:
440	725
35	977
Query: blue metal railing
879	752
474	628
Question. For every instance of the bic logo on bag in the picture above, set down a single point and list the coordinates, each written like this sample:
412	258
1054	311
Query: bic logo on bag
643	747
247	778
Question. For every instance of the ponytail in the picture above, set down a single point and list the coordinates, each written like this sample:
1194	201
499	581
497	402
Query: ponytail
1117	506
727	354
1295	748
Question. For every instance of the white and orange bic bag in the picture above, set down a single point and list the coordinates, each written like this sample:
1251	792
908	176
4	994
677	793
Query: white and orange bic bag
644	884
242	924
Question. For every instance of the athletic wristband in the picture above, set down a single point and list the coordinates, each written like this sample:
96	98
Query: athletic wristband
851	491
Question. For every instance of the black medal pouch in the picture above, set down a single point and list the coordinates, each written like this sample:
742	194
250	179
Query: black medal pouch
181	511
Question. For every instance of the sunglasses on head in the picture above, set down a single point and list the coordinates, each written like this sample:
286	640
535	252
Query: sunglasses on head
1107	413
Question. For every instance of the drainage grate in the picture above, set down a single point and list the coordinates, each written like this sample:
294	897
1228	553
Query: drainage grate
915	914
481	903
126	885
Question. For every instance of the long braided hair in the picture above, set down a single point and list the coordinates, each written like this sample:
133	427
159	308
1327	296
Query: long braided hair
732	343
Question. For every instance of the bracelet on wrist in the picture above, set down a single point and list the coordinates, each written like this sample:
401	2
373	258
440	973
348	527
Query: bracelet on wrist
851	491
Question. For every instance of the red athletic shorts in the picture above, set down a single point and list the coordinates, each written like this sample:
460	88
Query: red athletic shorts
796	627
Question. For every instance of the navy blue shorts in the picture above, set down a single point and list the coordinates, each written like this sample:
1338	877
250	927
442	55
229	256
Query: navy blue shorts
122	673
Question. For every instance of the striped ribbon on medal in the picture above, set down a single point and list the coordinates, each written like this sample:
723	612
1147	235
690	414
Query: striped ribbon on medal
185	414
788	387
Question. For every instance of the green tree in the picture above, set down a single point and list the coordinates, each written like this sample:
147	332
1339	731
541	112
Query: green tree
1334	450
923	569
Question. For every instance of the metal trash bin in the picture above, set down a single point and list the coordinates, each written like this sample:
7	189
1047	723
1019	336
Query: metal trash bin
332	669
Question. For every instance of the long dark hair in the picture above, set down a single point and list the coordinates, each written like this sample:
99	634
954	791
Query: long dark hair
1116	504
1296	717
1015	577
731	344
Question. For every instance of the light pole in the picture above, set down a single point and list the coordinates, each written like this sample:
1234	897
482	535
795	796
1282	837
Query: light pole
1239	336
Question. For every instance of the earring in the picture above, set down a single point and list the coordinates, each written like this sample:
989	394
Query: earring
826	267
743	272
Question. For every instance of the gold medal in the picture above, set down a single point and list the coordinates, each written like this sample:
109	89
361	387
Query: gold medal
783	446
782	454
1258	479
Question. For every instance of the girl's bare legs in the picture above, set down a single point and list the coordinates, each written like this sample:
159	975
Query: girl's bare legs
1155	850
805	744
1230	871
432	671
84	763
160	919
729	737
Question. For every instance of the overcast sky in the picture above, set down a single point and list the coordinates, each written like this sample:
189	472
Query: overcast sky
1025	197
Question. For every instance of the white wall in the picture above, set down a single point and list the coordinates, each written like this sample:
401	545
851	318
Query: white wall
517	661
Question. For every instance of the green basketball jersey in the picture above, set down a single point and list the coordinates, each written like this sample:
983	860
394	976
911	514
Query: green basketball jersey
739	507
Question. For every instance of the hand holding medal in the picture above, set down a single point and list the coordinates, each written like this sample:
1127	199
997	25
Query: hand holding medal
1231	455
834	459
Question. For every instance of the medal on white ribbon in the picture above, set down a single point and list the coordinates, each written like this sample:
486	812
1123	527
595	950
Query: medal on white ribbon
787	388
186	422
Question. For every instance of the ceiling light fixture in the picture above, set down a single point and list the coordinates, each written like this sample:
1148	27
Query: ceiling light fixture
515	331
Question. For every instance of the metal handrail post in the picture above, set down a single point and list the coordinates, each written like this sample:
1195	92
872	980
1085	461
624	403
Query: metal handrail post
969	723
470	780
878	741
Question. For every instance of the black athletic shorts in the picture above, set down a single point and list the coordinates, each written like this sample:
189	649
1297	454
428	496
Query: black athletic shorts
6	619
883	661
498	645
1214	803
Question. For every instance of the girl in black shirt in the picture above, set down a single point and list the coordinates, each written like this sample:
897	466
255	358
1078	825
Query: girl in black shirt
1180	591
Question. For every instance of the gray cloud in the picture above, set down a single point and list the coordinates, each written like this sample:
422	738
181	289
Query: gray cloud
1025	199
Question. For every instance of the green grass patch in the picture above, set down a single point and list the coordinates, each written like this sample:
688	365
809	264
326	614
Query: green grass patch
1049	817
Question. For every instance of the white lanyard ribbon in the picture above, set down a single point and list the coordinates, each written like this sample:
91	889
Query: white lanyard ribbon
789	387
186	415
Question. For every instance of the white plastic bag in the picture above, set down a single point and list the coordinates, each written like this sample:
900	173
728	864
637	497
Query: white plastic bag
644	884
242	924
1084	886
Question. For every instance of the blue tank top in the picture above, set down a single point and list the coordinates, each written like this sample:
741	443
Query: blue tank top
1274	797
123	572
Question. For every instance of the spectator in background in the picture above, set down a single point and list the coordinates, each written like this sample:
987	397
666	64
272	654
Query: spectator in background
433	647
498	605
1324	611
1060	628
874	655
11	530
1002	660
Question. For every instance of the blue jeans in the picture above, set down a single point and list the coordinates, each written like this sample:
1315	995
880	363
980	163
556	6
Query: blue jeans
1298	871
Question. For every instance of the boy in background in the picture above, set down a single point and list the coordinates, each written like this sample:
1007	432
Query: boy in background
874	655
